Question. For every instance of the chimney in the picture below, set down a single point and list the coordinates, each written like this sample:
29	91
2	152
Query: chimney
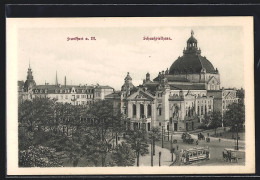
56	82
65	81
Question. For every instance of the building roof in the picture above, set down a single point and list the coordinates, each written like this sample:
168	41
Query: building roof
114	95
20	85
79	89
172	78
188	87
190	64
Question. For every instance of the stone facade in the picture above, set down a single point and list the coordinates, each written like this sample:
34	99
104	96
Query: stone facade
73	94
177	99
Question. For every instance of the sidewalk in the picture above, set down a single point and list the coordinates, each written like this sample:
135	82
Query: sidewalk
165	157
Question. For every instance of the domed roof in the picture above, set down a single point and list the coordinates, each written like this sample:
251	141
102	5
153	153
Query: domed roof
192	61
29	83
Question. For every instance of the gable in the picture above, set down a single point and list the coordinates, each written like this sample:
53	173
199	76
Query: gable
230	96
141	95
213	80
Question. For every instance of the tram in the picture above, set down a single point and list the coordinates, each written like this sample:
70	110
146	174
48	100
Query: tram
195	154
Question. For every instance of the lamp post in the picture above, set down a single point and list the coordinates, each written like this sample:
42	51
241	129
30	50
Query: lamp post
162	136
237	137
171	148
152	153
160	158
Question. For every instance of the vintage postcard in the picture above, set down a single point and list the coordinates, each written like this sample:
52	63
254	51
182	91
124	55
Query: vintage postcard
161	95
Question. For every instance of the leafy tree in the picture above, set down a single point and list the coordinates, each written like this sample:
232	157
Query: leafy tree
123	155
154	135
241	94
216	120
39	156
235	117
207	119
139	142
36	114
102	130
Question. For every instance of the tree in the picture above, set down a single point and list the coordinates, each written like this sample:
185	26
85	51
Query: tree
241	94
103	114
154	135
39	156
207	119
139	143
123	155
235	117
216	120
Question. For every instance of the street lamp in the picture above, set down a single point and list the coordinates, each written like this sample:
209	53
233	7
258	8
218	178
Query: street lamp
162	136
171	148
160	158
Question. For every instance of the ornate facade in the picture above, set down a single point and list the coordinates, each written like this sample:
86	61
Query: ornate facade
178	98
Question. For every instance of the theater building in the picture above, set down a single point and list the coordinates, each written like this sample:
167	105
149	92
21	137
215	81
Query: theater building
178	98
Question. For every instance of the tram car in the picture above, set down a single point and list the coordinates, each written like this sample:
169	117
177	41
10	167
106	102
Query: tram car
195	154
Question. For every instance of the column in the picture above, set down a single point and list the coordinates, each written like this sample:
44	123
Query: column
130	110
138	110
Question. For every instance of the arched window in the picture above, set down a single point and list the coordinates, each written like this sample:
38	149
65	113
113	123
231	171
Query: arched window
134	110
149	109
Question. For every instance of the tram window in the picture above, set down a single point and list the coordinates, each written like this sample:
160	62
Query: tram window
194	153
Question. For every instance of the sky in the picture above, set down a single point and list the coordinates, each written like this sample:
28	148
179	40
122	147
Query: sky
120	49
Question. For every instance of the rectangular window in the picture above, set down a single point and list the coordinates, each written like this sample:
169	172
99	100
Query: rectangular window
149	110
77	96
149	127
201	110
160	124
134	110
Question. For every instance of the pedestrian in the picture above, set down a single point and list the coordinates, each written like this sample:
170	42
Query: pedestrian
197	142
219	139
177	147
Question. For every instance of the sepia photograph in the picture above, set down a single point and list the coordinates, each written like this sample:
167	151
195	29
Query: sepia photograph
161	95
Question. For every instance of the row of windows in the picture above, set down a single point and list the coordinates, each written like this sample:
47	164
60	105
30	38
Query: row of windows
88	96
149	110
201	109
205	101
230	101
